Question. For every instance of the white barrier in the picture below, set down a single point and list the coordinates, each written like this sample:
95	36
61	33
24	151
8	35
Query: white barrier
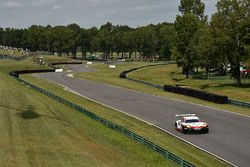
89	63
70	75
112	66
59	70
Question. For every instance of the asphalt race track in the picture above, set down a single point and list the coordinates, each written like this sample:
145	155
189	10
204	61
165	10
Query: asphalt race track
229	135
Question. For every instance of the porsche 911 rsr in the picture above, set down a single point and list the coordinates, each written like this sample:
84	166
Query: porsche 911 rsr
190	123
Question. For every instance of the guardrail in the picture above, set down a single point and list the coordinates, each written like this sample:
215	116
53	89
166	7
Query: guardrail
147	83
124	74
239	103
163	152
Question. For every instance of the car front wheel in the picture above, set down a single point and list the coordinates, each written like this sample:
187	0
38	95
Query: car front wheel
184	130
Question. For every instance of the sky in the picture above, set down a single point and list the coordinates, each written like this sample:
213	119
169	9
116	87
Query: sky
89	13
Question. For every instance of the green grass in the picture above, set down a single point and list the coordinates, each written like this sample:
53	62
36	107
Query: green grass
157	136
111	76
37	131
54	59
170	75
104	74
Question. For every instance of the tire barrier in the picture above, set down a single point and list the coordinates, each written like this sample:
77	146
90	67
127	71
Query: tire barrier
16	73
184	91
220	99
197	94
120	129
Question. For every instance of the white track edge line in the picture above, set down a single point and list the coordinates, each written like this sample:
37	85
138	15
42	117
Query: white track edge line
216	156
169	98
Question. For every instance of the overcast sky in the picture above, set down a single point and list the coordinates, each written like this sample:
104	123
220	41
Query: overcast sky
88	13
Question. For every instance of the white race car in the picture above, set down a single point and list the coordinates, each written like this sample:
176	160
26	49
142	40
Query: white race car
190	123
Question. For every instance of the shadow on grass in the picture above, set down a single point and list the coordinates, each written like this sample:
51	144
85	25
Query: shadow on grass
30	113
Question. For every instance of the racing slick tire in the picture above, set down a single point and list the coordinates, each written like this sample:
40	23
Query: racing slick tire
184	131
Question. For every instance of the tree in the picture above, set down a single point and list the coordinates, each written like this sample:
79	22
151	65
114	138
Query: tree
48	35
187	25
86	36
35	38
117	40
167	36
62	42
1	36
149	41
75	38
245	31
231	18
208	49
138	40
84	42
186	28
102	42
129	42
195	7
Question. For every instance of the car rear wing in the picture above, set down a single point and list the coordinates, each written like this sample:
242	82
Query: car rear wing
185	115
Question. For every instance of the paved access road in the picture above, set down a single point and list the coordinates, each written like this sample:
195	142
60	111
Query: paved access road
229	135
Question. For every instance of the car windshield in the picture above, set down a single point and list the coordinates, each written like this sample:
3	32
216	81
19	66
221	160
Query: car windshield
191	120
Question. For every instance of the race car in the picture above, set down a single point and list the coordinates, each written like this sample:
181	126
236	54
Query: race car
190	123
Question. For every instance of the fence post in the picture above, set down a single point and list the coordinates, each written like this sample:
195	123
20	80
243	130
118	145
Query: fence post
166	154
142	140
132	135
182	164
154	147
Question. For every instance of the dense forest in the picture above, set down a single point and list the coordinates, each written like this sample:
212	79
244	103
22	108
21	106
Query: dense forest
194	41
146	41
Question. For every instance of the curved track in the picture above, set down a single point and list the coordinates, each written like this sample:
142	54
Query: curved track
229	136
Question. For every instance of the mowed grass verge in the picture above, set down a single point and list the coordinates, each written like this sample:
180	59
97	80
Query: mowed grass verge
159	137
169	74
37	131
103	74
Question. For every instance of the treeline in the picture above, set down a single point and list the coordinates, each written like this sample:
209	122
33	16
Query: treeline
218	44
145	42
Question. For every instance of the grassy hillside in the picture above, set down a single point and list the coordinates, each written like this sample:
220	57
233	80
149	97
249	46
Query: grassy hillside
161	138
168	74
37	131
162	75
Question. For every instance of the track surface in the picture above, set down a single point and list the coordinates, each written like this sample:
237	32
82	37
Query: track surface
229	135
